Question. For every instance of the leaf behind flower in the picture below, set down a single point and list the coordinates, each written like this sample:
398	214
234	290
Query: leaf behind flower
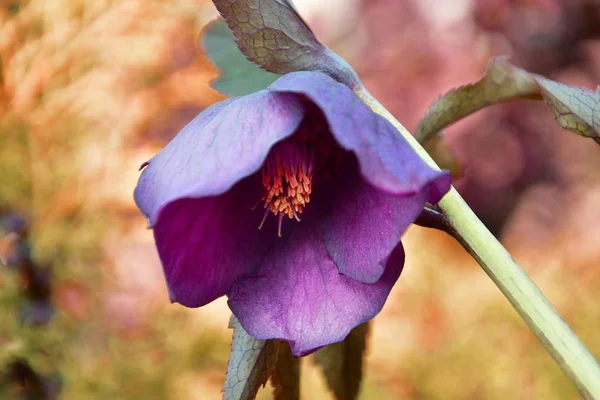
342	363
443	155
271	34
501	82
239	76
575	109
250	365
286	377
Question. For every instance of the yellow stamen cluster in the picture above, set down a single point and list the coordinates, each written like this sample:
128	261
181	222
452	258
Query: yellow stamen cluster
287	180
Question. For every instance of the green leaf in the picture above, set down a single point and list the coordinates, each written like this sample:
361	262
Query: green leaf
501	82
239	76
444	157
250	365
576	109
271	34
342	363
290	4
286	377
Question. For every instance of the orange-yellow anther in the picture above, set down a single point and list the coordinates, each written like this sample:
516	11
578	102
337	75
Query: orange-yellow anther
287	178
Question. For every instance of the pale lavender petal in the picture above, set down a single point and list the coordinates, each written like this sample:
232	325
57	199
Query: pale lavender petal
222	145
299	296
386	159
206	244
362	224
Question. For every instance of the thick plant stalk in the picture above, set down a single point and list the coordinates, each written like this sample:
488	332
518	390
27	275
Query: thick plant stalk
543	320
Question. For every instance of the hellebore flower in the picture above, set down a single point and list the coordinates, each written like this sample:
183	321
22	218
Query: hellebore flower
291	201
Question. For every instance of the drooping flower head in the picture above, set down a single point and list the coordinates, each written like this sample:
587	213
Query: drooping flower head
291	201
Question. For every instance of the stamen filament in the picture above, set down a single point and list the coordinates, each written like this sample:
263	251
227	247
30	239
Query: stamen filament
293	208
279	225
264	218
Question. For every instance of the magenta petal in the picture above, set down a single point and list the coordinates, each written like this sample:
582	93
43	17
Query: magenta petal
364	224
225	143
386	159
299	296
206	244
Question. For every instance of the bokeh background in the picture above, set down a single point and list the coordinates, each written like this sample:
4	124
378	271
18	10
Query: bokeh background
90	89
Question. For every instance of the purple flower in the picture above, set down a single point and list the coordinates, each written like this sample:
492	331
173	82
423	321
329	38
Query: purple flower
291	201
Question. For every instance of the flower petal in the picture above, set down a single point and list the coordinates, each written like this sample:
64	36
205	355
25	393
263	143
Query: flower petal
206	244
299	296
386	159
225	143
363	224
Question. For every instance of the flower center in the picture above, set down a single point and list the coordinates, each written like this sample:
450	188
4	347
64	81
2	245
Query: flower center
287	177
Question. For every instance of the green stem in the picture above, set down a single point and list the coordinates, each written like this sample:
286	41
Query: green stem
552	331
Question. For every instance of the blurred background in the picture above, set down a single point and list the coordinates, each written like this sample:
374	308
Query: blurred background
90	89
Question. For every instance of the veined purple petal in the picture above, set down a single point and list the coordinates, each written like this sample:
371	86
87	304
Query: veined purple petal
299	296
225	143
205	244
386	159
363	224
